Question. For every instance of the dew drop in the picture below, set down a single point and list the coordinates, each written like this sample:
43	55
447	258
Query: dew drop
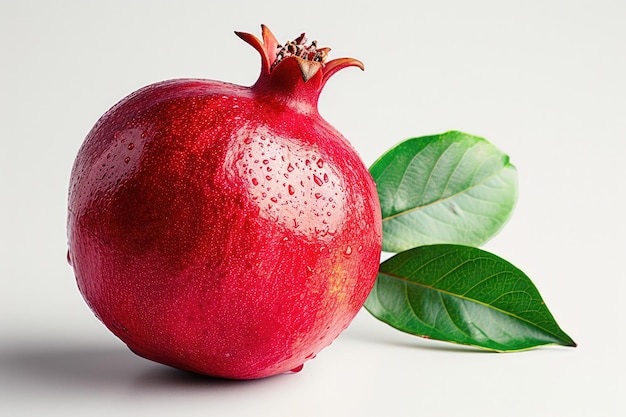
325	177
297	368
318	195
317	180
348	250
274	199
291	190
320	163
255	181
290	168
307	163
127	159
266	161
117	134
247	140
131	146
267	177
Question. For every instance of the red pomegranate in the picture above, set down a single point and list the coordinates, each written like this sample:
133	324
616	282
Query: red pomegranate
221	229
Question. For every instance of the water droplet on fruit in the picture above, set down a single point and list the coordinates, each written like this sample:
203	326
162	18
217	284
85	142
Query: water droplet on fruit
274	199
318	195
131	146
307	163
117	134
267	177
255	181
266	161
317	180
127	159
320	163
298	368
348	250
290	168
291	190
247	140
325	177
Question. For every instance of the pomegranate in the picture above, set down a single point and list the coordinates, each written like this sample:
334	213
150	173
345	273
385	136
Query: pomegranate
222	229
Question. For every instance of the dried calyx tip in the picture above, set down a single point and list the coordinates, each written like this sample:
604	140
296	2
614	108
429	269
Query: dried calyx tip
310	58
300	49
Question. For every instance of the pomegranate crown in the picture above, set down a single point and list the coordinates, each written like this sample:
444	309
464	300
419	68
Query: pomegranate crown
310	58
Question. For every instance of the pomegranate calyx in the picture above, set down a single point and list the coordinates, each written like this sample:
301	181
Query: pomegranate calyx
310	58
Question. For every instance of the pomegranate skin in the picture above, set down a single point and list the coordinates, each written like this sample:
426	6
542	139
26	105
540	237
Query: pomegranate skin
221	229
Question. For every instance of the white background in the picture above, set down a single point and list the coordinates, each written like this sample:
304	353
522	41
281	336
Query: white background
542	80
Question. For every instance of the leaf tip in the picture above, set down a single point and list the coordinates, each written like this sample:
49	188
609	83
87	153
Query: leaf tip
571	343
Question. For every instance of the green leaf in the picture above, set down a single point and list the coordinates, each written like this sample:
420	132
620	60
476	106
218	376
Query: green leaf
448	188
463	295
